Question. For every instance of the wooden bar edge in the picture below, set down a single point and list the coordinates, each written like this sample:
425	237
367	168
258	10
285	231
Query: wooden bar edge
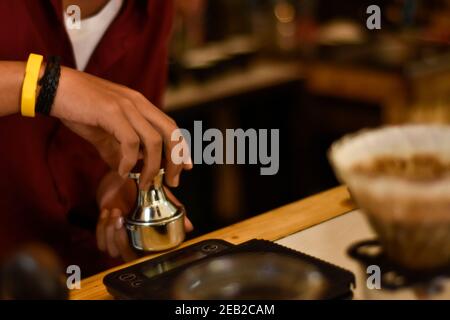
273	225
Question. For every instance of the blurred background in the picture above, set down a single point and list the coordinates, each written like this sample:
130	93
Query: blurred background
310	68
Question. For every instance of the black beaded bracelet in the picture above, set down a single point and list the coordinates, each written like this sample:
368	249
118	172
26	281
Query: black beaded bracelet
49	84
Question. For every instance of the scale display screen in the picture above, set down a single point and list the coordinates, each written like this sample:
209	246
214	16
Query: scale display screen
156	269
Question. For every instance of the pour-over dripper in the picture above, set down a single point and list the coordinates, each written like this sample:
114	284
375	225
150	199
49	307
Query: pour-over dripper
156	223
400	177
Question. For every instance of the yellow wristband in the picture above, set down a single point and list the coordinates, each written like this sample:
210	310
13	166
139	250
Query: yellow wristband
29	86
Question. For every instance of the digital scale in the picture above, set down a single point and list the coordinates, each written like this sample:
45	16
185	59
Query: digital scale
153	279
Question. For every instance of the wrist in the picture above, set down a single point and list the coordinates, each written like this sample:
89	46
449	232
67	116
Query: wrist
48	86
58	105
13	74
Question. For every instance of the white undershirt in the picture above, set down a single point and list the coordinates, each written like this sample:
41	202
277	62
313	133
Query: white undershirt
85	40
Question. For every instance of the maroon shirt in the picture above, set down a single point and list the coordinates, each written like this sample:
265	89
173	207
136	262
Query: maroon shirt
49	175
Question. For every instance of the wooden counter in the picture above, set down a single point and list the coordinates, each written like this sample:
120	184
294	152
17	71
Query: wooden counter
273	225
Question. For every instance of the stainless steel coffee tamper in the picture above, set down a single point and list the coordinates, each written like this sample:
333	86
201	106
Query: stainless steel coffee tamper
156	223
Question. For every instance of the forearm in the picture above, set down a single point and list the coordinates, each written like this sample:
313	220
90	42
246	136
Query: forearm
11	78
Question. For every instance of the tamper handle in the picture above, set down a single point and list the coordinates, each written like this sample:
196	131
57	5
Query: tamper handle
157	181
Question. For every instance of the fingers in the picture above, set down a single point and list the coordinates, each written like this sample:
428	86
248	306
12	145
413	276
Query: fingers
100	232
173	168
113	224
129	142
188	226
172	197
138	122
152	143
112	237
165	126
122	242
111	107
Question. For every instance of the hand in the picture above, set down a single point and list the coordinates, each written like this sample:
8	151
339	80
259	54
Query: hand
116	198
119	122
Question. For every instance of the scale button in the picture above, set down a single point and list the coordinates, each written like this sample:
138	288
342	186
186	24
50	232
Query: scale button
127	277
137	283
210	247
